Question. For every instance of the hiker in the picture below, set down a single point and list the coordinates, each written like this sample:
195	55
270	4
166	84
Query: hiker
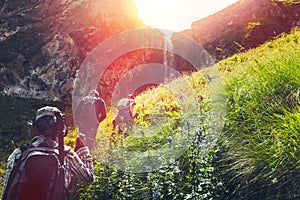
90	112
28	166
125	118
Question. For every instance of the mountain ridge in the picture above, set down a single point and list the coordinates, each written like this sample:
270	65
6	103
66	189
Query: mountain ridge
244	25
43	43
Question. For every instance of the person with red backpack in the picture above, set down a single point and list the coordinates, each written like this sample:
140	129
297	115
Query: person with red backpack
44	168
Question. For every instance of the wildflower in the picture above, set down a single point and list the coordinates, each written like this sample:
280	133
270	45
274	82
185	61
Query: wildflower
181	98
148	168
199	134
197	142
208	78
188	125
170	141
155	194
116	162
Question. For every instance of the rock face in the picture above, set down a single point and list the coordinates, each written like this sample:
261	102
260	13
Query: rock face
43	42
244	25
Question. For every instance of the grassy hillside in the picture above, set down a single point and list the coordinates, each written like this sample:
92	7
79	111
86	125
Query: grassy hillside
260	156
256	155
258	151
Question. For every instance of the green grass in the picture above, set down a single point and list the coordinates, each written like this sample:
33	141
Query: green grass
261	149
257	154
259	145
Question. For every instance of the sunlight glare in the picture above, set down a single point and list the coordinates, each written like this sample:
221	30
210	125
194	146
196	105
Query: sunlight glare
177	15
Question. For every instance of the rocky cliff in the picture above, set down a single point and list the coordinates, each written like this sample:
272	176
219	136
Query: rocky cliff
43	42
244	25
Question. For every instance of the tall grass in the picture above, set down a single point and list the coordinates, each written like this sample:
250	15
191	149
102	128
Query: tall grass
257	156
261	148
258	151
169	151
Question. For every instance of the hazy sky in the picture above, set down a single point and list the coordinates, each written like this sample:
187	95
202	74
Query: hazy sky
177	15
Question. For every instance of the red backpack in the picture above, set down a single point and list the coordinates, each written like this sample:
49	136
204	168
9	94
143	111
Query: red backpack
36	175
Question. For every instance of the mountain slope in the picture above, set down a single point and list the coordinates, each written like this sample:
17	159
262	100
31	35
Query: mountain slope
244	25
259	158
43	43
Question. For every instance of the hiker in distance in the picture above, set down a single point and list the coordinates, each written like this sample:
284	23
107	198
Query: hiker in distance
125	119
90	112
45	168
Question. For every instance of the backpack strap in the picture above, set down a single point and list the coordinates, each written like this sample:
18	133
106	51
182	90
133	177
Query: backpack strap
39	149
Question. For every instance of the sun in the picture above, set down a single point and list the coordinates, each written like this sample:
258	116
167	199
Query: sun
159	13
177	15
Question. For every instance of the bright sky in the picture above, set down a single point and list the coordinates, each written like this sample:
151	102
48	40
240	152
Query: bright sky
177	15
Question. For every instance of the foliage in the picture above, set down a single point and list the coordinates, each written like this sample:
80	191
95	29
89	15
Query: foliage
190	177
257	156
288	1
14	129
160	117
260	155
70	139
165	102
16	115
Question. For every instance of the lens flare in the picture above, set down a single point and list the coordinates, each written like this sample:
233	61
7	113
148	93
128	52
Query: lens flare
169	130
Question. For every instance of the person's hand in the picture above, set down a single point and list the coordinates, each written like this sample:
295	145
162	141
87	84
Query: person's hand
79	143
